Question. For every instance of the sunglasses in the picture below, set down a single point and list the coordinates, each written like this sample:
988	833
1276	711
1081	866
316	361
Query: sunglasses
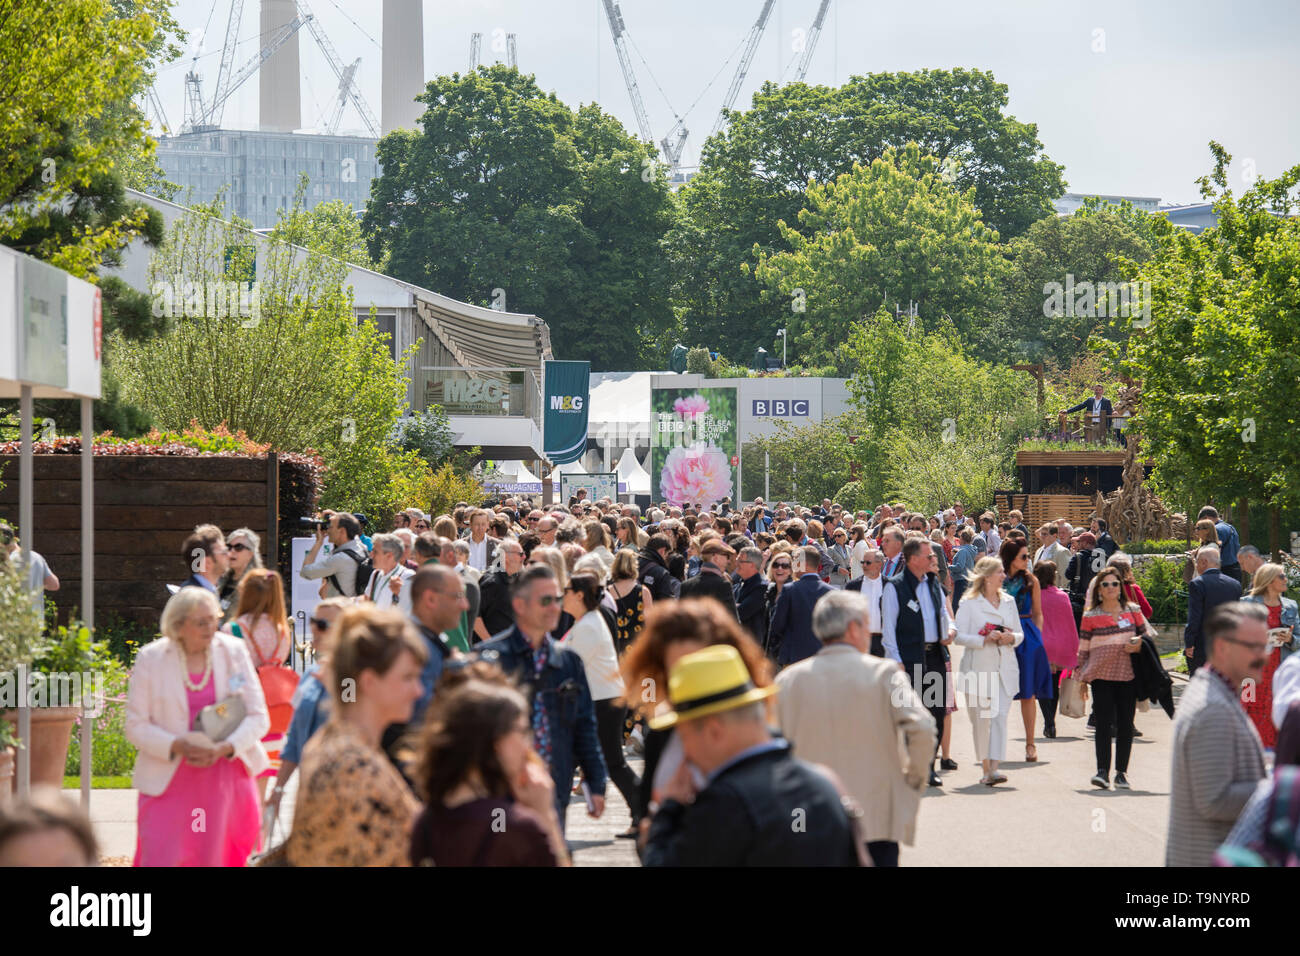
1108	584
781	566
421	527
319	623
237	547
546	600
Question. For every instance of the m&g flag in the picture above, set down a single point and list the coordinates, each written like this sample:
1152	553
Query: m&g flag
564	425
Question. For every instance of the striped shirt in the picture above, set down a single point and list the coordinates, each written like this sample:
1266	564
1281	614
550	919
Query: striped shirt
1103	639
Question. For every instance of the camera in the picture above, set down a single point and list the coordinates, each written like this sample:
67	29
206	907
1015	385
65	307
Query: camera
314	524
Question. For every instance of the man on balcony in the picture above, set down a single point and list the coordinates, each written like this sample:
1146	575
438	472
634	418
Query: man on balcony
1099	413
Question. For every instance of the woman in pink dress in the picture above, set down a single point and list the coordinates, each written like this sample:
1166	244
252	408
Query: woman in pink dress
1060	637
198	804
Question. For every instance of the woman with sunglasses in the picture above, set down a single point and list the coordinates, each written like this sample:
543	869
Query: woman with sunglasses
780	572
310	703
1110	634
245	548
1035	669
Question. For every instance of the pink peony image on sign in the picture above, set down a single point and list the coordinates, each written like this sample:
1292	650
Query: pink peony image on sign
691	408
701	473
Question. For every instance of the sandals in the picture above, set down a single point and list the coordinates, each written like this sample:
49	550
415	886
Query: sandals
1031	754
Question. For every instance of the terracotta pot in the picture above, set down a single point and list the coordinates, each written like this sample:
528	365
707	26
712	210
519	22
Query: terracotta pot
51	735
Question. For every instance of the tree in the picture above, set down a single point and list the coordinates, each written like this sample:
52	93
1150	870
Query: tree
923	405
804	462
68	73
891	232
508	198
1219	362
329	228
1087	247
756	172
282	358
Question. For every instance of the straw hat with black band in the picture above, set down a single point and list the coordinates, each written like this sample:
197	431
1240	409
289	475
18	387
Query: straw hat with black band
709	682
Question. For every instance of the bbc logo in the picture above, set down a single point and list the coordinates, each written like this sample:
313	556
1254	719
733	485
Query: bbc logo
780	408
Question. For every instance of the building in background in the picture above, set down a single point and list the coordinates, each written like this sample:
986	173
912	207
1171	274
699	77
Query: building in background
259	170
1068	203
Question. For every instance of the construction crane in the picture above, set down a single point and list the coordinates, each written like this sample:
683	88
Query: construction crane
224	73
814	33
151	98
751	45
331	55
207	116
475	45
195	111
811	43
616	27
345	87
512	52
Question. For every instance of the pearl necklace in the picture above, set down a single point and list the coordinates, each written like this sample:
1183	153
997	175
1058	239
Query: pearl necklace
185	672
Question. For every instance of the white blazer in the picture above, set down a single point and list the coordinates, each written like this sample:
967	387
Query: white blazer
1000	659
158	711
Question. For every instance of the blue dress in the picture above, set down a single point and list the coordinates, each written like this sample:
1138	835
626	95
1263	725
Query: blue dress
1035	671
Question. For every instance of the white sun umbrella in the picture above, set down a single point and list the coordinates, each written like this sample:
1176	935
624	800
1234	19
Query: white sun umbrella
632	475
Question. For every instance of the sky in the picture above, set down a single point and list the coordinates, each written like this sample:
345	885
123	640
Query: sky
1126	95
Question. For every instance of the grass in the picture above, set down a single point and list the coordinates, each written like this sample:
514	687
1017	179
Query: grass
99	783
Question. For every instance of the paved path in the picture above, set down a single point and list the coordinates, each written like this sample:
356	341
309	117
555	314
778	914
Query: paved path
1047	814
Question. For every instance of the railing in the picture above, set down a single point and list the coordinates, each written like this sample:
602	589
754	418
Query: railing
483	392
1081	427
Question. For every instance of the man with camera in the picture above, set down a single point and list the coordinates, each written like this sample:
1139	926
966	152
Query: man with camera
338	569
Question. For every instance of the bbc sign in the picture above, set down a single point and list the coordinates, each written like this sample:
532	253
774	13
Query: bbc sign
780	408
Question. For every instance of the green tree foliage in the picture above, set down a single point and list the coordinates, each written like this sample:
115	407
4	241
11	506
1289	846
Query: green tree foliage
699	362
933	423
891	232
506	188
755	174
1088	246
427	433
806	463
297	371
1219	363
68	129
328	228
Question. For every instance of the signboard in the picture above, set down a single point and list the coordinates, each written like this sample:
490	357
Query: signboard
305	594
780	408
43	318
514	487
598	484
564	428
693	447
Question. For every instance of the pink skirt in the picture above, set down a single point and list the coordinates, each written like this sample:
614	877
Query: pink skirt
207	816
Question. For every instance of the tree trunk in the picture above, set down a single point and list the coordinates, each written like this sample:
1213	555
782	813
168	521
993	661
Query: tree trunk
1274	532
1243	520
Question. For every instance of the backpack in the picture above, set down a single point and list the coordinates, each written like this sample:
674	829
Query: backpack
365	568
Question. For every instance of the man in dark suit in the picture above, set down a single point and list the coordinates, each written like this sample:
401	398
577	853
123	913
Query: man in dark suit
1099	412
792	634
1102	534
742	816
751	594
712	581
914	624
1210	588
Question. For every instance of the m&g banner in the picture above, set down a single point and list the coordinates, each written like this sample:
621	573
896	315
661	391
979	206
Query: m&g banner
693	452
564	425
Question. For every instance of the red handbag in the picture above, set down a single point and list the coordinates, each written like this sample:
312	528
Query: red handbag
278	686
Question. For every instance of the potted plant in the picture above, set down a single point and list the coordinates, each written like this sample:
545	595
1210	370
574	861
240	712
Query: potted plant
20	641
65	672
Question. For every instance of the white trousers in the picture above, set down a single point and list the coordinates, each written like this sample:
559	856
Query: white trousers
989	725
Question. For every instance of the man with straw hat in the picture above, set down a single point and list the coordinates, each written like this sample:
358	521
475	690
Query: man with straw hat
756	805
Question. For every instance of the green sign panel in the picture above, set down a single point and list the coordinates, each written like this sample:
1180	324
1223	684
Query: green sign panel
564	429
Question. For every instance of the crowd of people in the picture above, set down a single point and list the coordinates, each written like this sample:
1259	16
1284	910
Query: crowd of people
473	671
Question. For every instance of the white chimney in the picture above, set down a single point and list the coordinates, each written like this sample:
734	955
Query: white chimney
279	79
403	66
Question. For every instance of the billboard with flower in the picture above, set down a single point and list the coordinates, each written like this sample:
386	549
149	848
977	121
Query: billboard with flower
693	448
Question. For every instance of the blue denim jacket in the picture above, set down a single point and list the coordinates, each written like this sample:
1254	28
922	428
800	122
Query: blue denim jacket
311	708
1290	618
562	690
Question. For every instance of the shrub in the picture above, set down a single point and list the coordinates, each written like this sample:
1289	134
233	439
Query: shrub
447	486
1161	582
699	362
1167	546
428	433
853	496
111	754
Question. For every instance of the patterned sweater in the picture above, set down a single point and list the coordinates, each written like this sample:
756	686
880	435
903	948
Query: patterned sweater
1103	643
